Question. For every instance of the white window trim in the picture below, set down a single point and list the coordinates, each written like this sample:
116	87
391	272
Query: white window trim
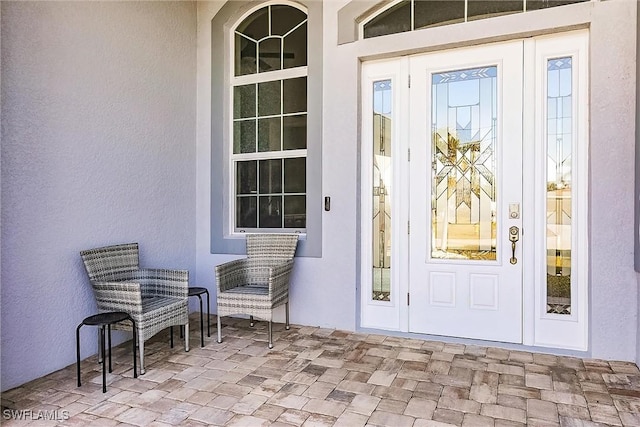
283	74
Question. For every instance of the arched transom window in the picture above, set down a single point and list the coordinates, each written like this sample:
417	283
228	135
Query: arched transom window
409	15
269	135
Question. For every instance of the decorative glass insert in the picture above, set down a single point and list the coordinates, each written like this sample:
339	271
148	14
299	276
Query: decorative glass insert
408	15
382	182
464	120
559	184
269	120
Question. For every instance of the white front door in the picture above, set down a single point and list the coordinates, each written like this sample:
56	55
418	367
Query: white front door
466	193
474	184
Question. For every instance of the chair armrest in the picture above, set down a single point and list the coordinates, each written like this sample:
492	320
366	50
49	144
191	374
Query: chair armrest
231	274
254	271
279	277
162	282
118	296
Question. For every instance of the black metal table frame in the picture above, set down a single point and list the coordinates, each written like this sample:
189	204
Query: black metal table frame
197	292
102	320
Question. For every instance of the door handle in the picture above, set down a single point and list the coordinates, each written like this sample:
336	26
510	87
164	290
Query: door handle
514	236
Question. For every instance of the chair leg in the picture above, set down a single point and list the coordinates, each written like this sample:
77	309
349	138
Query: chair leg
133	341
201	323
270	334
219	330
171	334
186	336
251	321
109	329
286	313
100	355
141	349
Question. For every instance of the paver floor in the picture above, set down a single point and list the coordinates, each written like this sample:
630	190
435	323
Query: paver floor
318	377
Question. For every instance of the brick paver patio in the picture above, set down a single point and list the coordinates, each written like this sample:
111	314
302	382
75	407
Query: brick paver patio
317	377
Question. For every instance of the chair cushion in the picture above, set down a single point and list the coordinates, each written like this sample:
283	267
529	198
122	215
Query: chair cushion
154	303
251	289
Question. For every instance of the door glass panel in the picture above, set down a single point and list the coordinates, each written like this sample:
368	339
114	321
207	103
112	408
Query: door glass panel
559	183
382	173
463	192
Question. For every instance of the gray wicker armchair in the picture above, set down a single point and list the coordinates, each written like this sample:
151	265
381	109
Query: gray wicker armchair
154	298
257	284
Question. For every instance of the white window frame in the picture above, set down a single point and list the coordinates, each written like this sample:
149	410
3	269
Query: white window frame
255	78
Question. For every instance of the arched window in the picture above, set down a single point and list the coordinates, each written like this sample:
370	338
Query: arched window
269	120
409	15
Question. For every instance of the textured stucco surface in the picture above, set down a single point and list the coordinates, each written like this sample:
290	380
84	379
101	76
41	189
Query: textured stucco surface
613	283
98	130
637	195
324	290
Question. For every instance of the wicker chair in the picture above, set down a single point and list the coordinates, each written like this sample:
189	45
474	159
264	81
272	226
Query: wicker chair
154	298
257	284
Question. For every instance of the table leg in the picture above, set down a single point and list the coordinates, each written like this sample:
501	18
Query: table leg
109	329
208	315
78	352
104	364
201	323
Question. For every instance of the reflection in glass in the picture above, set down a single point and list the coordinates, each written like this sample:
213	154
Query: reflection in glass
268	37
245	55
269	98
270	176
544	4
463	192
270	209
559	184
270	119
244	101
480	9
411	15
269	134
294	95
244	136
295	47
246	182
294	130
270	54
295	175
295	208
285	18
261	188
396	19
428	13
382	174
246	211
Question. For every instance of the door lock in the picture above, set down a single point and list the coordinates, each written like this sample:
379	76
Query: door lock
514	236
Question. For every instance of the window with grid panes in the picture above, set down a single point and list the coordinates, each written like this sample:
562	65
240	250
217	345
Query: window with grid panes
269	135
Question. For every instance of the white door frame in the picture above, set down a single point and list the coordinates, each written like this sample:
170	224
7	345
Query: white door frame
539	327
